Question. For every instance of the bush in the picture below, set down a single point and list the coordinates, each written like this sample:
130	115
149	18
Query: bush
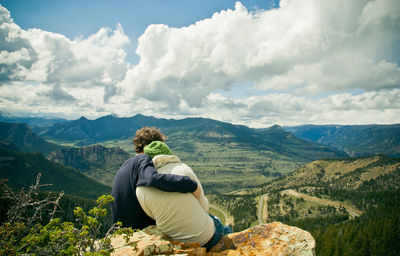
23	231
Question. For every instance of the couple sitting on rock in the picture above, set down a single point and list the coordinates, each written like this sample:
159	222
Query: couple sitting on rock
155	187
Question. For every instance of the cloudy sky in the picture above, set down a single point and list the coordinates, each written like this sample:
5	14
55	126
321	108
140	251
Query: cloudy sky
257	63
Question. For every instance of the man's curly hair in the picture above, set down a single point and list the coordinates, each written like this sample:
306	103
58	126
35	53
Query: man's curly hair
145	136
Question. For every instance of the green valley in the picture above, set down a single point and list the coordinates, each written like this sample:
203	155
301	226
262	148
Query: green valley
225	157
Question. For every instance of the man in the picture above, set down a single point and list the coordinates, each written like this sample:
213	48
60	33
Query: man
139	171
181	216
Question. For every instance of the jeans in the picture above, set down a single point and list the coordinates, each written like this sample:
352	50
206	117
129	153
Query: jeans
220	231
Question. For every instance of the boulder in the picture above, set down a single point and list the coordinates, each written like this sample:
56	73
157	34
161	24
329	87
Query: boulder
267	239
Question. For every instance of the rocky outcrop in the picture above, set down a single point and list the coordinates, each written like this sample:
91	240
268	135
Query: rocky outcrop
268	239
87	158
98	162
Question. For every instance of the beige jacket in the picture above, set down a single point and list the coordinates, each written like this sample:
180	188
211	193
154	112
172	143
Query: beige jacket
179	215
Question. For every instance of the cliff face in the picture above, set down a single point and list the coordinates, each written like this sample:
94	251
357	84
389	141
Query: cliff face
268	239
97	162
86	158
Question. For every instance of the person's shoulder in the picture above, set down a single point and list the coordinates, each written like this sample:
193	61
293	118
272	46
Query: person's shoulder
185	166
141	157
131	159
136	159
182	169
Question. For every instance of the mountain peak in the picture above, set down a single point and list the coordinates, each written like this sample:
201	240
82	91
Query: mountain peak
82	118
276	127
111	115
108	117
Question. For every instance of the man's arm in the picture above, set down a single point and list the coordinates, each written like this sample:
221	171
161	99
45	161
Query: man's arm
149	177
198	191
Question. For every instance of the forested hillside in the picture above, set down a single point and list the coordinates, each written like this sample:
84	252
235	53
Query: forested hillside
351	206
21	170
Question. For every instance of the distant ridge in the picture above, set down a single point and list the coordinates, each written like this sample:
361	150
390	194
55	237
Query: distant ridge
101	129
31	121
355	140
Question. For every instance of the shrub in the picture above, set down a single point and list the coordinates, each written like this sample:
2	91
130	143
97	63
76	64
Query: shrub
23	231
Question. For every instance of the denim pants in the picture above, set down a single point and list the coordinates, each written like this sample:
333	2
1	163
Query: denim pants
220	231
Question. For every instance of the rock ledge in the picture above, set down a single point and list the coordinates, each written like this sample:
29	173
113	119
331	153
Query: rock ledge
267	239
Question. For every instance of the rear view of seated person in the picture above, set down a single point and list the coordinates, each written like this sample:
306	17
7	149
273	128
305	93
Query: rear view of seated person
139	171
183	217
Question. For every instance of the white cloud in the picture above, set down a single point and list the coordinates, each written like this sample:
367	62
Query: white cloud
43	57
337	73
309	46
304	60
282	108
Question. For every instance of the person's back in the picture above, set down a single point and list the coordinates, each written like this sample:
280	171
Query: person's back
181	216
139	171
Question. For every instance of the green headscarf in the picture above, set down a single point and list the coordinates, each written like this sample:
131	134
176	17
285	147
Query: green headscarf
157	148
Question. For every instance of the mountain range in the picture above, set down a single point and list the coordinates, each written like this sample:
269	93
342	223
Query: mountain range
224	156
354	140
86	132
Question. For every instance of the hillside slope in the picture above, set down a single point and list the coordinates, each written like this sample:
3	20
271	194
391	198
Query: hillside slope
368	186
21	170
21	136
344	174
